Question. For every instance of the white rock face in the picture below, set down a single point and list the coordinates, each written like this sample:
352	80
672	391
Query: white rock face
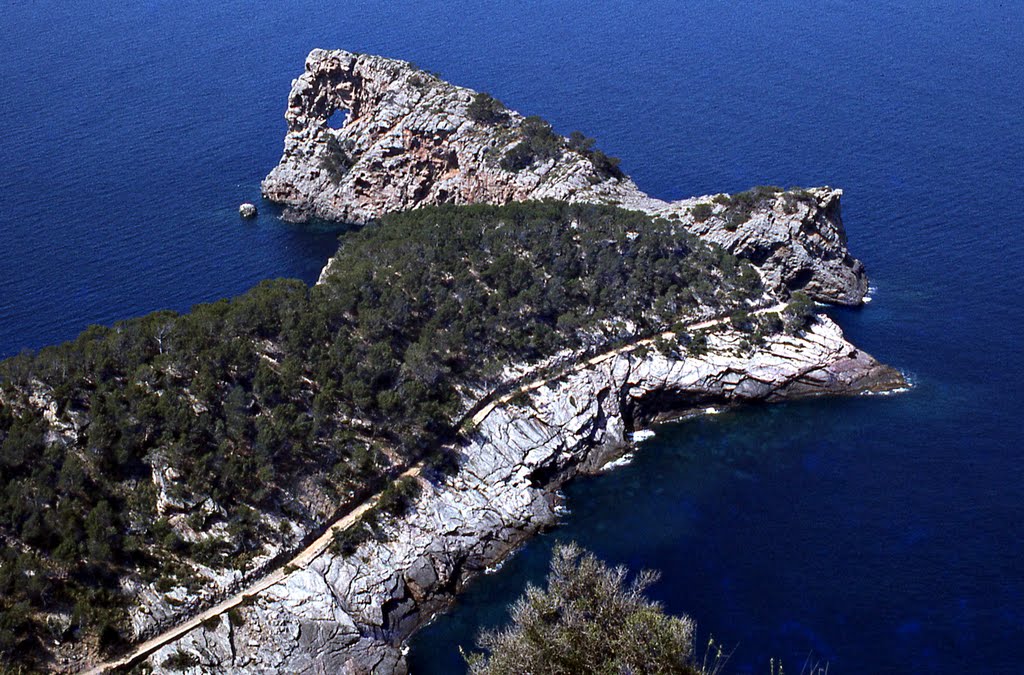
352	614
408	141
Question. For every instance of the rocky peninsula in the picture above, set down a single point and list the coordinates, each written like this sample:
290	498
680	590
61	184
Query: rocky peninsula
408	142
409	139
483	349
351	614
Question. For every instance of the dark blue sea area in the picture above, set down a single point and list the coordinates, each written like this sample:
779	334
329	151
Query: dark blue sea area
879	534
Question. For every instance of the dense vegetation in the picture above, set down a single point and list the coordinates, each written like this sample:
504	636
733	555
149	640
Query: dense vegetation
288	396
589	620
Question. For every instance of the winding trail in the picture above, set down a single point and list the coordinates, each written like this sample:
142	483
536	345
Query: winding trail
304	558
482	414
308	554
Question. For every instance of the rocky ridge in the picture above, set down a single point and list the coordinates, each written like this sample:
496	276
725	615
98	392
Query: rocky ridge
351	614
408	140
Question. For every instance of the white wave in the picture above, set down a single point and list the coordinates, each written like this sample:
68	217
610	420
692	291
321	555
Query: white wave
560	508
870	295
711	410
496	567
910	379
643	435
625	460
888	392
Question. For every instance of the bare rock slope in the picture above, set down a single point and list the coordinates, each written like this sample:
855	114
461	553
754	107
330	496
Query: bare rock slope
409	140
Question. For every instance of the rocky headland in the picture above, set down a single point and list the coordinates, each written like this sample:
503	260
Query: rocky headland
409	139
351	614
732	325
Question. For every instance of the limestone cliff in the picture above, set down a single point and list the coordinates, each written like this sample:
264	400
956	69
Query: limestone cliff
408	140
351	614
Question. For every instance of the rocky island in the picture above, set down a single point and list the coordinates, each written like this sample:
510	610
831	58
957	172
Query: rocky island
297	479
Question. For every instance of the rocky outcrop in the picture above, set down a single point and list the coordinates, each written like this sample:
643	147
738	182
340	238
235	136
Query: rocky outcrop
796	240
408	140
351	614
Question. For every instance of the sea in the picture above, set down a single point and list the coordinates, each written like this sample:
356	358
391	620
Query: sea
873	534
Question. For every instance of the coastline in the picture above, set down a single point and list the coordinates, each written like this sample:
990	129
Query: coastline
353	614
519	446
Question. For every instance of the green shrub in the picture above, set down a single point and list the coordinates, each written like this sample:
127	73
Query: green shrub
605	164
235	617
799	312
701	212
698	344
741	205
741	320
486	109
587	620
540	143
521	399
346	541
665	348
399	496
180	660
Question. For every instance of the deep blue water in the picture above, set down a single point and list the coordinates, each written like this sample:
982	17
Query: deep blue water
883	534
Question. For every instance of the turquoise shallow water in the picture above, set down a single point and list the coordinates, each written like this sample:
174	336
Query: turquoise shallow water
884	534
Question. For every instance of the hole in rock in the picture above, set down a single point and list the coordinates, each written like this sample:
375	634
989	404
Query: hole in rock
337	119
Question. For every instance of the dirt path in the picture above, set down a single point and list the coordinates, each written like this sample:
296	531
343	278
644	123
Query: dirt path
301	560
320	544
482	414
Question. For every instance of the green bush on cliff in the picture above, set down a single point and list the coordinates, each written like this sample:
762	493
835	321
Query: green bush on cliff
701	212
741	205
799	312
486	109
588	620
605	164
540	143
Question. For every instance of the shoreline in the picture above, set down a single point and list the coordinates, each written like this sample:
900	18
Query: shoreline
355	613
